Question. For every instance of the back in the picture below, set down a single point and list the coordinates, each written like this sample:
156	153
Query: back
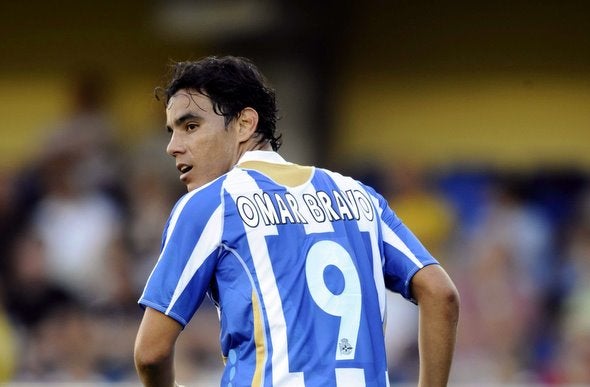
297	260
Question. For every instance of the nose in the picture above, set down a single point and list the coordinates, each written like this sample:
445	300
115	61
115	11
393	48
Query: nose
175	145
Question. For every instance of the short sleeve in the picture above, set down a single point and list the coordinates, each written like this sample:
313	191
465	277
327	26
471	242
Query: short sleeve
403	253
187	262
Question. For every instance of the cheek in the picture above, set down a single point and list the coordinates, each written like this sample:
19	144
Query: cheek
215	150
210	155
224	145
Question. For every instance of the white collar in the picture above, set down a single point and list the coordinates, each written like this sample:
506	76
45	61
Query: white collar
260	155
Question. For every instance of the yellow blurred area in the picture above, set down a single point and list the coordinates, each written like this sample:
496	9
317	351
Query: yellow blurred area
509	121
33	104
7	350
502	84
27	108
517	120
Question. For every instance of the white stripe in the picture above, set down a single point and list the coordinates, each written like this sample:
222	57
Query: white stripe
391	238
372	229
365	225
239	181
208	241
171	225
346	377
174	219
312	226
178	210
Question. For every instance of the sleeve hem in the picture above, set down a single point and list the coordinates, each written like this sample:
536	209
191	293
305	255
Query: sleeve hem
408	291
162	309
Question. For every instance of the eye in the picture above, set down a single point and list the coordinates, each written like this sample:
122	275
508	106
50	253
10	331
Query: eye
191	127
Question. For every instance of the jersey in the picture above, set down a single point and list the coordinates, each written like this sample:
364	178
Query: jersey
297	260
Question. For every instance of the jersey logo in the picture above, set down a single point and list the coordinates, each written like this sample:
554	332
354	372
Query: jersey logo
345	347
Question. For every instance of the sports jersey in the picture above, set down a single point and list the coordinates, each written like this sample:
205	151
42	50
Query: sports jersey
297	260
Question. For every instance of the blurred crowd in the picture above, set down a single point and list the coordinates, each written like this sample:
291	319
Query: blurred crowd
517	245
81	229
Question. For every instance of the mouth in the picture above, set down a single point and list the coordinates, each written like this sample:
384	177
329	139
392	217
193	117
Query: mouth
184	170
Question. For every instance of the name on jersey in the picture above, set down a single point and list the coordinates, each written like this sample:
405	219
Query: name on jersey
319	206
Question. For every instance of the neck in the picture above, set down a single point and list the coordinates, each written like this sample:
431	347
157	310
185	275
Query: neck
265	146
252	145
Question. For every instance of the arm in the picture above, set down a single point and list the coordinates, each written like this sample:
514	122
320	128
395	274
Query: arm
438	302
154	349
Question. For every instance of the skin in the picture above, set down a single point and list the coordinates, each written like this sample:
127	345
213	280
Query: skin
438	303
200	140
154	349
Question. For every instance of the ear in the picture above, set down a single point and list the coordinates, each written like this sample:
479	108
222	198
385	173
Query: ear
247	124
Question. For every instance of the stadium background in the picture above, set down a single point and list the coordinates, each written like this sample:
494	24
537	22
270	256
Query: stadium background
473	117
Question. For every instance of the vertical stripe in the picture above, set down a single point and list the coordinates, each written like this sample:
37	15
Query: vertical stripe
391	238
171	226
313	226
209	241
178	210
269	290
344	184
259	340
346	377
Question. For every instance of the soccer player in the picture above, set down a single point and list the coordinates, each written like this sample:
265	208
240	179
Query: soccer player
297	259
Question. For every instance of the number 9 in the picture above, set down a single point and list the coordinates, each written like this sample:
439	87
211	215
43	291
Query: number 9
347	304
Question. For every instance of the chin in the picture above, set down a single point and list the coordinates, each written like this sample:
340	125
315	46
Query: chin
189	184
194	184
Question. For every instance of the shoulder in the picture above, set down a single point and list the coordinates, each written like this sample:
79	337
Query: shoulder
349	182
337	177
202	201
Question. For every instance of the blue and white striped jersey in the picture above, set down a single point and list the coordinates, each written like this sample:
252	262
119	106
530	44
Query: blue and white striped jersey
297	260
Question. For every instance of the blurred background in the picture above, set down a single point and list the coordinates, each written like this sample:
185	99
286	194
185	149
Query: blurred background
472	117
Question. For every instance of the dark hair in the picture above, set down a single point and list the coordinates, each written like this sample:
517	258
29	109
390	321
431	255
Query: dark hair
232	83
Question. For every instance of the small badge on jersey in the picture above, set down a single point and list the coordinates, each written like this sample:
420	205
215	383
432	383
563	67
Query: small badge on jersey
345	347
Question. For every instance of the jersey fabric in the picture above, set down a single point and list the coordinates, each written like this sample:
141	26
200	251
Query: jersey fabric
297	260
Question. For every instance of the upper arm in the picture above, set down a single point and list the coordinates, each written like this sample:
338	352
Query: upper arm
433	282
156	337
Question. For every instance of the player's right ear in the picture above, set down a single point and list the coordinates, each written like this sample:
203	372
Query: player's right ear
247	123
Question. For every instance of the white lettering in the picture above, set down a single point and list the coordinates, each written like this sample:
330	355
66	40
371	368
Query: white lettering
343	208
314	208
299	218
247	211
273	209
364	204
266	208
327	203
283	210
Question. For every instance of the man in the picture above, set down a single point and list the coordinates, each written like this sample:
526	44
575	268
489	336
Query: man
296	259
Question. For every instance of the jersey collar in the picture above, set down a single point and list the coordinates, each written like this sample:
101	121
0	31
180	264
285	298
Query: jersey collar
259	155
